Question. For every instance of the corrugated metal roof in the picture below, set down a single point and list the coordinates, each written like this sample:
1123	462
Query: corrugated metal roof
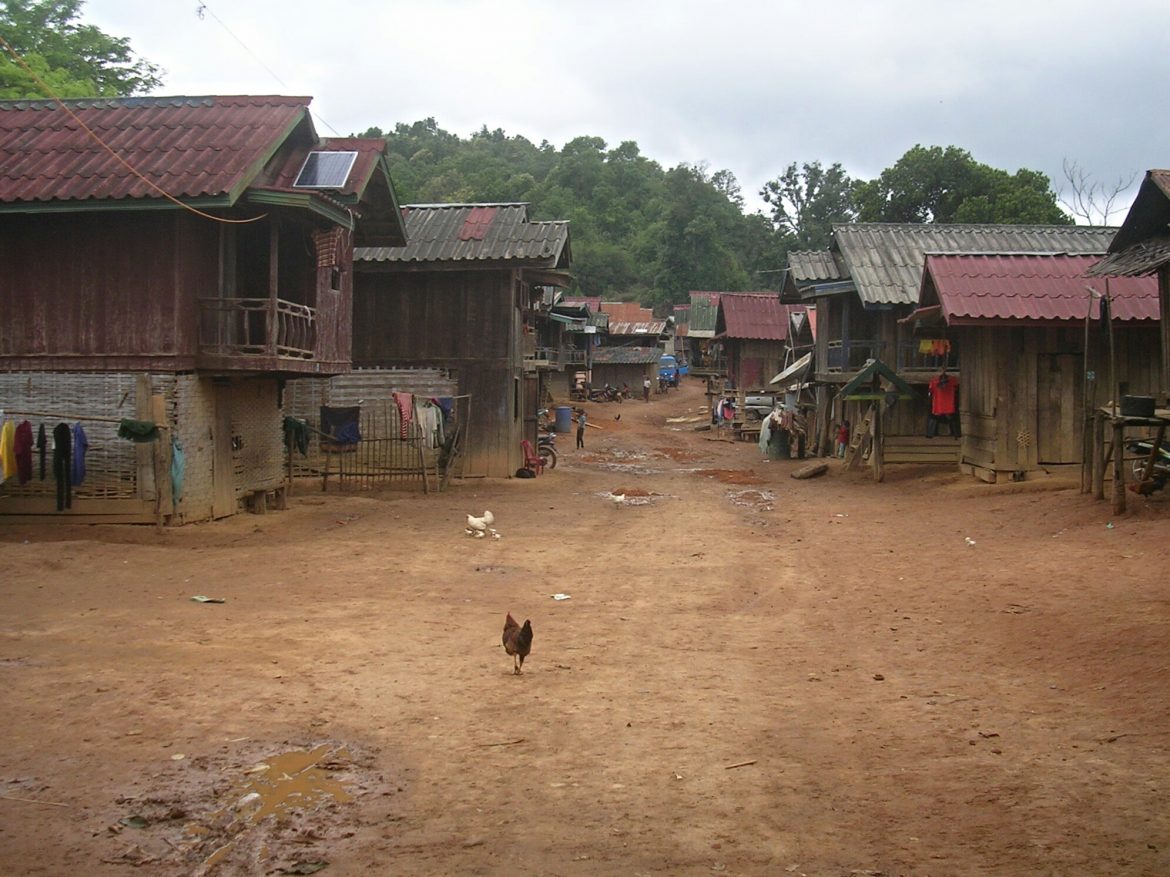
1031	289
813	266
885	259
754	315
1141	245
190	147
653	328
439	233
626	312
626	355
704	313
593	302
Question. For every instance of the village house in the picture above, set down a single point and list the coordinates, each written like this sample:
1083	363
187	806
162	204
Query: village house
464	296
1035	360
868	281
170	264
703	353
1140	248
753	329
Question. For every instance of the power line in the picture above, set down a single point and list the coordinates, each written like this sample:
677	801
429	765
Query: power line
133	170
203	9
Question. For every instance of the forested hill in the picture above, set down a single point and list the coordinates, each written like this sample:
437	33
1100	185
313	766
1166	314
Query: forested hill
651	234
640	231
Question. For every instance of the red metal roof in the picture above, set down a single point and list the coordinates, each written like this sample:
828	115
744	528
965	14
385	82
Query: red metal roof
190	147
626	312
755	315
1030	289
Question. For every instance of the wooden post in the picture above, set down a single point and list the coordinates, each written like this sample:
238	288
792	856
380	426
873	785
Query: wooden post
161	452
1098	455
877	449
1118	465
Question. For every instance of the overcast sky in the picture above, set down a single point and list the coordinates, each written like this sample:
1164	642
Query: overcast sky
747	85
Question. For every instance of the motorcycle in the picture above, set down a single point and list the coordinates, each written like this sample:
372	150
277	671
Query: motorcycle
606	394
1159	471
546	440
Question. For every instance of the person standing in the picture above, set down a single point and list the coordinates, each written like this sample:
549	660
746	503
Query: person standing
581	428
646	389
842	439
944	405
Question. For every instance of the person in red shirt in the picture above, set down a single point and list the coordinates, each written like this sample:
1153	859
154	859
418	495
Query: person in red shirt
944	404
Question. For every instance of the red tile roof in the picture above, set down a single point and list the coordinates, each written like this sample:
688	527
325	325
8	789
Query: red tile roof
755	315
190	147
1030	289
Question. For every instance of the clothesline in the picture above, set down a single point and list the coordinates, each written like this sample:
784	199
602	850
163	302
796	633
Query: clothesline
6	412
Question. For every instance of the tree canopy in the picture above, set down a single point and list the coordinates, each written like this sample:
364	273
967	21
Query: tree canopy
71	58
932	184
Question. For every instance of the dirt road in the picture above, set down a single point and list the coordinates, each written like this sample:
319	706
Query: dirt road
750	675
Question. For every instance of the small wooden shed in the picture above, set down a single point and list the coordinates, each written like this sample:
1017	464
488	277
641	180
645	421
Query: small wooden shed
1034	357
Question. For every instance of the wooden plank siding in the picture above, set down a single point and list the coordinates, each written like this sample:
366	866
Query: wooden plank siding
467	322
124	292
1022	394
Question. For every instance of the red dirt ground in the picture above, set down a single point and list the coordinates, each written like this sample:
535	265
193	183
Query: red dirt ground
751	674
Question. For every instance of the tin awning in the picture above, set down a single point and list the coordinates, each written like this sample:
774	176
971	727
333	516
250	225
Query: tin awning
795	369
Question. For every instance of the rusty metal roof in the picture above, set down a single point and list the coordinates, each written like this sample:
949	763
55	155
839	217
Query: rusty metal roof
753	315
476	233
1029	289
650	328
626	312
885	260
626	355
190	147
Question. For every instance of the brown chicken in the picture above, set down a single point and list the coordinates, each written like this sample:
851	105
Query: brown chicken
517	641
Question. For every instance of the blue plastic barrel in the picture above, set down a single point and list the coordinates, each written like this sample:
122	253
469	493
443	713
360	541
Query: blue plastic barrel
564	421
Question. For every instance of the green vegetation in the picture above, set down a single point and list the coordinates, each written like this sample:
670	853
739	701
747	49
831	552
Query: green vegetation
646	233
72	59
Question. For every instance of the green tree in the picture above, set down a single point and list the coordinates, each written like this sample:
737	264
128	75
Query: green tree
947	185
806	201
71	58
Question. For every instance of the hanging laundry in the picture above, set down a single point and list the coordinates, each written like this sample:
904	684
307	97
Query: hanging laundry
342	424
926	345
405	403
42	446
80	446
135	430
447	405
296	435
7	450
178	470
62	466
23	448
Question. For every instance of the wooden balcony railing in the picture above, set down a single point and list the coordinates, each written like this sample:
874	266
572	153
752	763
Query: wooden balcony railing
851	356
256	327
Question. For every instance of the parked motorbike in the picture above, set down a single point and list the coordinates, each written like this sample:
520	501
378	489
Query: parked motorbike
1159	473
546	439
605	394
546	446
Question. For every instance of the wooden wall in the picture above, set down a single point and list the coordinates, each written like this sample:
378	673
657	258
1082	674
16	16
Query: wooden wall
87	287
1023	394
464	321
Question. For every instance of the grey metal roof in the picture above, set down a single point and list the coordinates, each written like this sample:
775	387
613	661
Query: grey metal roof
626	355
475	233
814	266
885	260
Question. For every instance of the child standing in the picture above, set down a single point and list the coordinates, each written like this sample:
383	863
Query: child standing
842	439
581	428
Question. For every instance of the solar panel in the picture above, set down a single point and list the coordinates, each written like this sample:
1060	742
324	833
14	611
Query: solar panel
325	170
